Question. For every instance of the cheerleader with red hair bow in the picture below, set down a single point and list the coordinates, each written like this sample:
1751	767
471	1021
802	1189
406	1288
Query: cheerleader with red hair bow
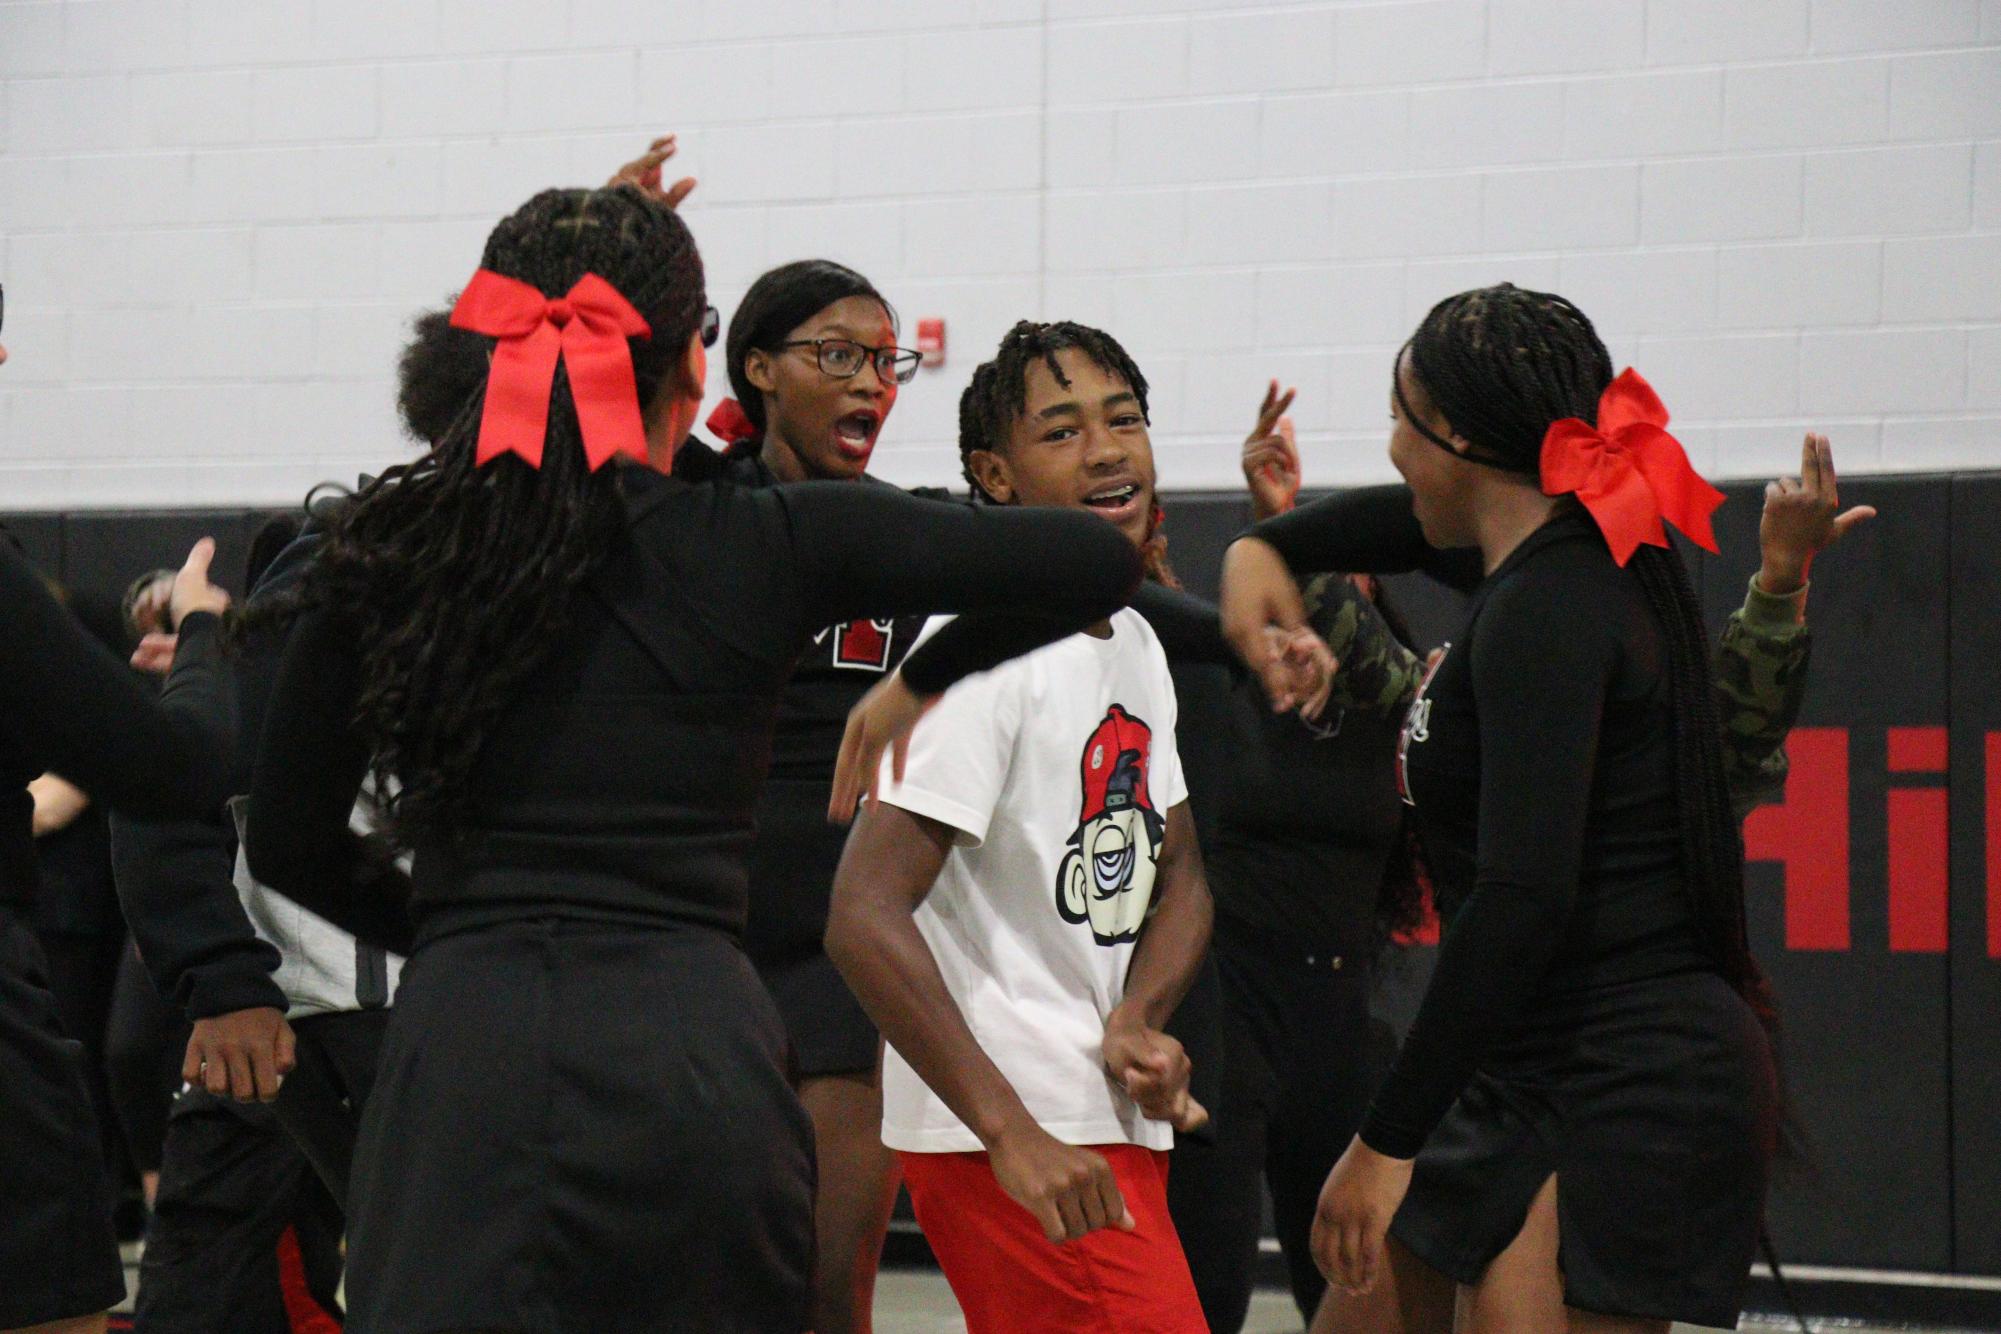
1590	1070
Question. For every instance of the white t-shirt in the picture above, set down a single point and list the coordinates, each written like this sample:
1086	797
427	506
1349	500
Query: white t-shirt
1058	770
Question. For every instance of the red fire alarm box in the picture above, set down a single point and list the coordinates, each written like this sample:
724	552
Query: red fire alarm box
931	340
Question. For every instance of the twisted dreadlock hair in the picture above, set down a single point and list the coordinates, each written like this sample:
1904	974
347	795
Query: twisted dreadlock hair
780	301
998	394
1501	364
458	577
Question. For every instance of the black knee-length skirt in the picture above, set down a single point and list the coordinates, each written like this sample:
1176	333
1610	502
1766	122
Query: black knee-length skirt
1654	1104
58	1257
581	1127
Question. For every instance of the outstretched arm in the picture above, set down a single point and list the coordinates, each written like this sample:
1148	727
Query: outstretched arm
77	711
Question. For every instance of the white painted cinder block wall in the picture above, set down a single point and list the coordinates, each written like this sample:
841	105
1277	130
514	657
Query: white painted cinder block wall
216	216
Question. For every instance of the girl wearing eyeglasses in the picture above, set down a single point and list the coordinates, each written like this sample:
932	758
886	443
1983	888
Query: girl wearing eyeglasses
813	362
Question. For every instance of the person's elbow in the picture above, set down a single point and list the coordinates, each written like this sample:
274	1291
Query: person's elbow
850	925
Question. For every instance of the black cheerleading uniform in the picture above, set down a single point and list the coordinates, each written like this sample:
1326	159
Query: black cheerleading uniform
793	859
1576	1025
1308	819
72	708
581	1121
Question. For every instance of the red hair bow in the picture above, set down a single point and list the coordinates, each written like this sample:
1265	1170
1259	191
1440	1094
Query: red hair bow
731	424
587	328
1629	472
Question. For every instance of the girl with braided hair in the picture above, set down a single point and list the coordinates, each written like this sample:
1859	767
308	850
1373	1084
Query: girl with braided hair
1589	1075
564	677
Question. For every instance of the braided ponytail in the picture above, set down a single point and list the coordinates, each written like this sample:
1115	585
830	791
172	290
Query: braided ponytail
459	577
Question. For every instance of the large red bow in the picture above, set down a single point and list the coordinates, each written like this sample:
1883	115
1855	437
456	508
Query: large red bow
587	327
1629	472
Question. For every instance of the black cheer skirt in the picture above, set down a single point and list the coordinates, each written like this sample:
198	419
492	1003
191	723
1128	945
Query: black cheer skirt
826	1028
581	1127
58	1256
1654	1104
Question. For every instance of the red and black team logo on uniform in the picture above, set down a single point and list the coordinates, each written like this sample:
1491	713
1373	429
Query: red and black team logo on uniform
861	645
1106	877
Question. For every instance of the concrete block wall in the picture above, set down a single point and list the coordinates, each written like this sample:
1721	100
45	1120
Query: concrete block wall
216	217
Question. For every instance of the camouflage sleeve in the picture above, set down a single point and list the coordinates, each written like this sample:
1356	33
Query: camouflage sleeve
1377	674
1760	681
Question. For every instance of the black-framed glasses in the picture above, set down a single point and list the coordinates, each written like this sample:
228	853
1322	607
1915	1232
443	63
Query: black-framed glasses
843	357
712	326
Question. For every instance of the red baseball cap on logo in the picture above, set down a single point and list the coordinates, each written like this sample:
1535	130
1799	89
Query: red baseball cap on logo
1115	765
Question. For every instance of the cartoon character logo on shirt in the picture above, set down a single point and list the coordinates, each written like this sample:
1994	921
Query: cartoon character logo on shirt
1106	877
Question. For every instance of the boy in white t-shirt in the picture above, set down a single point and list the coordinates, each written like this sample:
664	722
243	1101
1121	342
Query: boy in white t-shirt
989	909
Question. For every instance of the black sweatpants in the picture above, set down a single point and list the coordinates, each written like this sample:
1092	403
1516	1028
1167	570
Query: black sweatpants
321	1101
1301	1059
243	1237
145	1045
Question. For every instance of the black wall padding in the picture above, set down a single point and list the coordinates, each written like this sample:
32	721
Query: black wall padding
1891	997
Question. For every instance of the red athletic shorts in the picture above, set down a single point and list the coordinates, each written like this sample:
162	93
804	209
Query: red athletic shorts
1011	1279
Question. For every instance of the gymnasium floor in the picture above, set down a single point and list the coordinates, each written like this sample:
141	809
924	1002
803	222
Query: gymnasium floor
911	1301
918	1302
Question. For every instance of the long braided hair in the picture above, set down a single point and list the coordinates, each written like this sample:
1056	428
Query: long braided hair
458	578
1501	364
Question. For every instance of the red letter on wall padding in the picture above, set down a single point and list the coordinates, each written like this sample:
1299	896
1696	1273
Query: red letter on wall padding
1918	750
1920	838
1808	834
1994	845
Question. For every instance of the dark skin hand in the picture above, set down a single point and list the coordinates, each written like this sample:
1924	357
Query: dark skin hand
644	173
244	1054
1802	518
1271	456
892	860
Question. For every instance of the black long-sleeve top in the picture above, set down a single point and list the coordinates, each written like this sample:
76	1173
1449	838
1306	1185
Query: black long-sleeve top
796	851
792	862
622	781
1309	815
176	878
1540	763
73	709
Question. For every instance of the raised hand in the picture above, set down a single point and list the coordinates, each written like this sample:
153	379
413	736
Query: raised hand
1802	518
881	720
644	173
192	590
1271	456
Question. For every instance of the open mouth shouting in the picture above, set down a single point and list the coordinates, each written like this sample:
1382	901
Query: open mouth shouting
854	434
